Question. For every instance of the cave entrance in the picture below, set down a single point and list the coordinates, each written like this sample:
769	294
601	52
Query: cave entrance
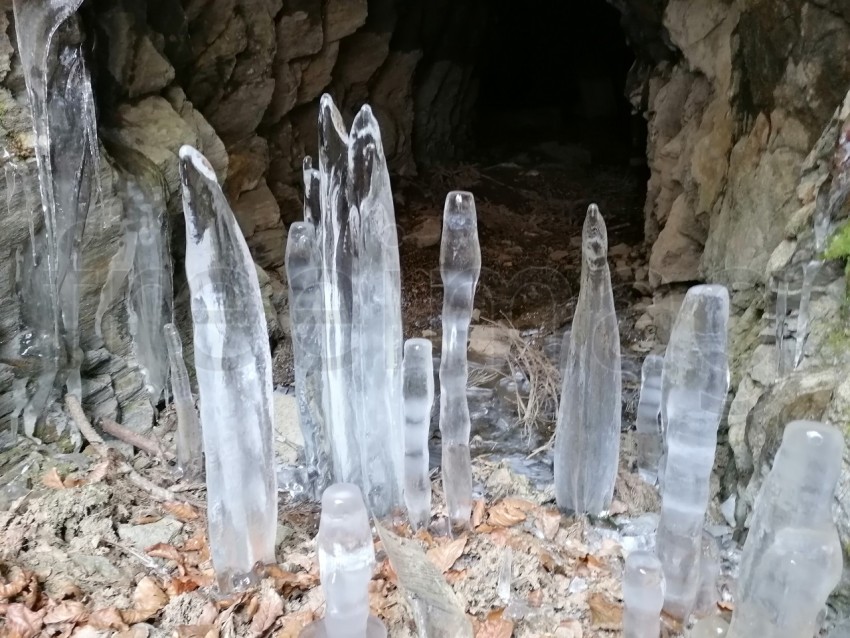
552	80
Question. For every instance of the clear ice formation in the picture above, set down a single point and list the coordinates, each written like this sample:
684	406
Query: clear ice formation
150	291
67	155
361	294
797	493
190	445
709	627
303	270
810	273
781	313
648	418
233	367
587	435
643	595
694	385
790	585
460	267
418	391
709	567
346	560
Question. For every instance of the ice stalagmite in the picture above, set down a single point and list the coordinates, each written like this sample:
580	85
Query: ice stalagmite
361	302
781	314
233	366
797	493
334	238
67	154
643	594
305	304
789	587
418	388
693	392
376	317
587	436
346	561
648	414
190	446
460	266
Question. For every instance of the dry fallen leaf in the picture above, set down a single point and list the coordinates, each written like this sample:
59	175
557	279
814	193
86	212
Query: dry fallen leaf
197	631
299	580
148	599
573	629
444	556
22	622
136	631
271	607
495	626
52	479
181	511
293	624
98	472
208	614
108	618
15	586
71	611
478	513
509	511
549	521
605	614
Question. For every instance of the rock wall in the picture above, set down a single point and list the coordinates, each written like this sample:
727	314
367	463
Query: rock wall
745	145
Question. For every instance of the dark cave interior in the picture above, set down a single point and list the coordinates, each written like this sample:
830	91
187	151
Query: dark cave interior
552	76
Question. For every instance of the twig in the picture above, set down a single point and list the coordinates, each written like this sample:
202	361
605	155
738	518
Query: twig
133	438
90	434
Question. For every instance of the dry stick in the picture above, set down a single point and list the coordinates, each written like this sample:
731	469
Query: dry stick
97	442
133	438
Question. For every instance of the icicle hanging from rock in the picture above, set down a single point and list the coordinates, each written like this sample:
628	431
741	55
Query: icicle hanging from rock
346	560
587	436
418	389
233	367
67	154
460	266
694	385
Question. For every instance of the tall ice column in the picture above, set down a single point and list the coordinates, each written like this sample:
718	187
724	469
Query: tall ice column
418	384
694	384
643	594
190	445
460	266
304	275
233	365
648	413
587	435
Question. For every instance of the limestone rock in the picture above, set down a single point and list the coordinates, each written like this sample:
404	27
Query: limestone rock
259	219
663	312
316	73
343	17
675	254
426	234
299	29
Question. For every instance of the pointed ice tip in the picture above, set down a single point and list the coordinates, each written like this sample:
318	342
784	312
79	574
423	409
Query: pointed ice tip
189	155
307	163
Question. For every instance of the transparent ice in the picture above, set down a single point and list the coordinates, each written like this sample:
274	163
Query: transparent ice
798	492
694	384
810	273
361	297
587	435
781	312
643	596
418	389
709	627
233	366
789	587
460	266
648	418
346	560
709	568
190	445
304	274
67	155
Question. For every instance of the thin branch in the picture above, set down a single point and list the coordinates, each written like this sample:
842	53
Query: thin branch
90	434
135	439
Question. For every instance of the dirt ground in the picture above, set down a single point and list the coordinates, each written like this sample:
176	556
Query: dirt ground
85	551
